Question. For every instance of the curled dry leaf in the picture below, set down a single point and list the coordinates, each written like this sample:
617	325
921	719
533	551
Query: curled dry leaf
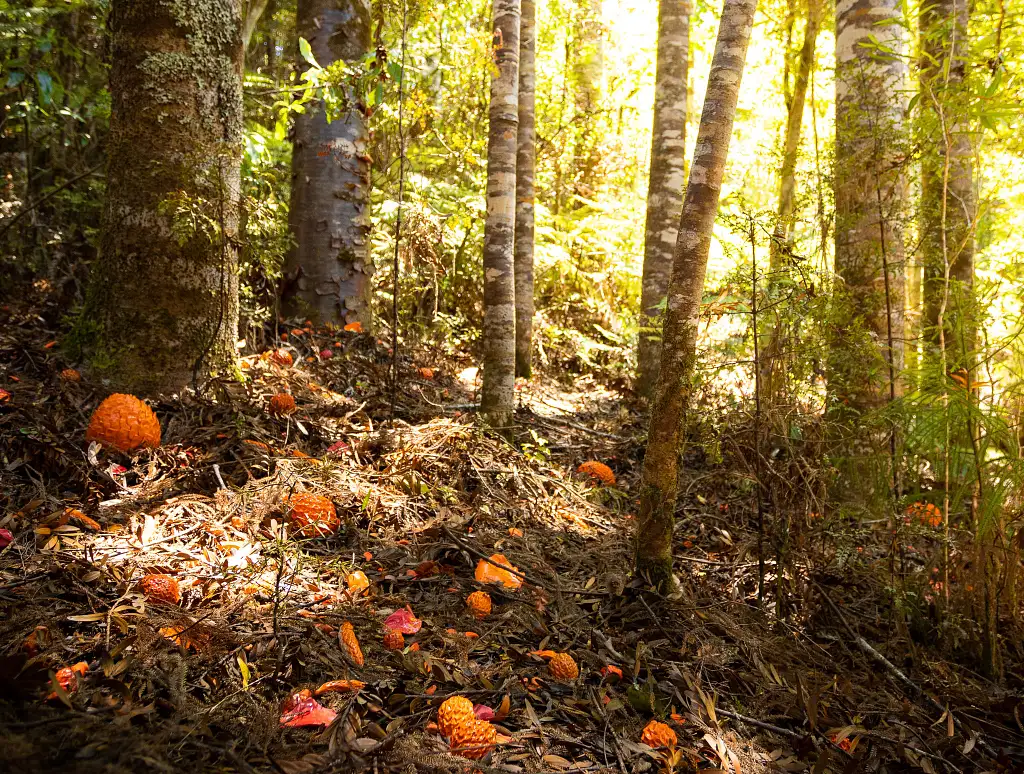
494	571
340	686
349	643
301	709
404	621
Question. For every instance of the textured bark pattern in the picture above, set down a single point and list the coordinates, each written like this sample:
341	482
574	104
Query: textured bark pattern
870	194
329	268
163	297
667	180
794	124
700	207
948	208
499	329
525	161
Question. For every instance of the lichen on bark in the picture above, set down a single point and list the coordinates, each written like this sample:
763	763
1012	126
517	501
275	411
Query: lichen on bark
162	304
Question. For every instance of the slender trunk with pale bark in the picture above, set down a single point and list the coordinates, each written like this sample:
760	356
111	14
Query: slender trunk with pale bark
525	162
700	206
866	356
948	208
794	125
667	180
328	269
499	328
771	363
254	9
162	307
588	72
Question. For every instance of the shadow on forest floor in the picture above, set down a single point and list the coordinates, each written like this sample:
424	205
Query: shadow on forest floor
200	685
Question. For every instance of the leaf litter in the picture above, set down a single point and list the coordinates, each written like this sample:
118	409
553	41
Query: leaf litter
248	672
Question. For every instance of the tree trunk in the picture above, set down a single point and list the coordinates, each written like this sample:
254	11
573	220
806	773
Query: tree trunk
700	207
162	306
588	72
667	180
499	329
772	365
525	162
329	268
253	11
948	208
867	352
794	124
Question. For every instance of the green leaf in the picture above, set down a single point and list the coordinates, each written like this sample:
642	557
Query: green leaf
307	53
15	78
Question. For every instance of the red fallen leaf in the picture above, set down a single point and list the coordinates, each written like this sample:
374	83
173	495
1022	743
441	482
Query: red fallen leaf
4	396
326	354
50	345
545	654
301	709
404	621
5	538
354	327
483	712
431	690
337	447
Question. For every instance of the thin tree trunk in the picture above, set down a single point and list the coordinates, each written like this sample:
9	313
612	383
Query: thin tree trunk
794	124
253	11
771	365
588	72
162	307
329	268
700	206
870	193
667	180
525	162
948	209
499	328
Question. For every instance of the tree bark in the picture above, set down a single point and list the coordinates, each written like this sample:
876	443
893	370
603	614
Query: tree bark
700	206
667	181
162	306
525	163
948	209
329	268
794	125
588	72
499	328
772	366
253	11
870	194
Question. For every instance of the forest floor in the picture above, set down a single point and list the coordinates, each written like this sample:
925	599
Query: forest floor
200	686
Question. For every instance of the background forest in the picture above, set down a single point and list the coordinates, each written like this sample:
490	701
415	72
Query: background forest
666	359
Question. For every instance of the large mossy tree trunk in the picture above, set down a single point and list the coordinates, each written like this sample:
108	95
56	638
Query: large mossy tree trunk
329	268
499	328
866	354
526	157
659	483
162	305
666	182
948	203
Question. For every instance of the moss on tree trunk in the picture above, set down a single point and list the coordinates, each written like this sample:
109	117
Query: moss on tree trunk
162	303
